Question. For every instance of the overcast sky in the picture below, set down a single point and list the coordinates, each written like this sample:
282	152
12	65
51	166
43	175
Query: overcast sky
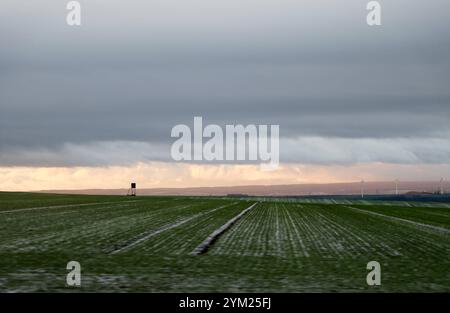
110	91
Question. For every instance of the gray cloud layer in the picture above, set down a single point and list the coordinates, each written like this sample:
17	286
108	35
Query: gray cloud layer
306	150
134	69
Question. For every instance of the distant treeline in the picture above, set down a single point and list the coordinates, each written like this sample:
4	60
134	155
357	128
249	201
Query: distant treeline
402	197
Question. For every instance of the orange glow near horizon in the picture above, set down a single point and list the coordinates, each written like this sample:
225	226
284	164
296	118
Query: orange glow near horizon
180	175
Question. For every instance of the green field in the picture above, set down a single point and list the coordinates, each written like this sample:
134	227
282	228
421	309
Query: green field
147	243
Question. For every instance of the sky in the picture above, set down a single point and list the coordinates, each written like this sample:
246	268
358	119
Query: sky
93	106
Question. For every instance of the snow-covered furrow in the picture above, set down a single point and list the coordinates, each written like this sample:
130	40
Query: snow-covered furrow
241	233
91	228
182	240
105	233
402	220
406	240
268	230
146	235
204	246
53	227
285	230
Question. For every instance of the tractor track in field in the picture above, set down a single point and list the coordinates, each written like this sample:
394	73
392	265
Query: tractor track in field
398	219
146	235
65	206
206	244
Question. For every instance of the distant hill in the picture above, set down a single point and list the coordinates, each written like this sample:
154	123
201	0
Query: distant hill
277	190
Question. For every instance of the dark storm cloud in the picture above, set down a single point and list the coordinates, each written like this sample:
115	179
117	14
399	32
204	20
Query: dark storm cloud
135	69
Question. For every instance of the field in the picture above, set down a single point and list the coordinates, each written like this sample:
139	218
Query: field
151	244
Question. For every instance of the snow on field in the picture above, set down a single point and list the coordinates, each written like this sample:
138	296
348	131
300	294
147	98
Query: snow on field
270	229
25	232
61	206
367	202
95	229
275	246
289	230
144	236
436	228
267	230
183	239
204	246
